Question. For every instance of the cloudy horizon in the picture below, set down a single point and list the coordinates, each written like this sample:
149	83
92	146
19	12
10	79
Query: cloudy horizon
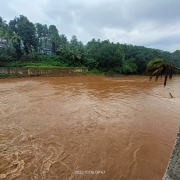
153	24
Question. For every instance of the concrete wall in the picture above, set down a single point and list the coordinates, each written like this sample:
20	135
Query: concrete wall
22	71
173	169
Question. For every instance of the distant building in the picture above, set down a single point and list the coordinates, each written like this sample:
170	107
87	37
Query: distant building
46	51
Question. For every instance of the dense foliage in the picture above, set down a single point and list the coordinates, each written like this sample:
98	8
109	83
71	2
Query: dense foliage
23	43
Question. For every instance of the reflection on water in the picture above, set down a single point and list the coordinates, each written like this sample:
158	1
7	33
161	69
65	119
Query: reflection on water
91	127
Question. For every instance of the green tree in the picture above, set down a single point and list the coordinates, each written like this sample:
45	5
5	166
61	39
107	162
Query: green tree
54	37
45	35
5	33
92	64
129	66
73	42
62	39
92	49
72	56
18	49
40	34
76	51
119	56
64	50
26	30
105	55
141	63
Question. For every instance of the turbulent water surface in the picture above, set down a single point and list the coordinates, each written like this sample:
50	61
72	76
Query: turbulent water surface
87	127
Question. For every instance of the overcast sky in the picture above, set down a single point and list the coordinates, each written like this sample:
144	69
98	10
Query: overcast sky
150	23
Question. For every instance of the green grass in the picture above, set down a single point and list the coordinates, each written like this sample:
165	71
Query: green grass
49	66
44	64
40	64
93	71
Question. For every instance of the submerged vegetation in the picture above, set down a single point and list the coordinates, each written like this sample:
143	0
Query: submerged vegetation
24	44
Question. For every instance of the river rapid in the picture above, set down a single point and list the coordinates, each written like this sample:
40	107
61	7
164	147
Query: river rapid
87	127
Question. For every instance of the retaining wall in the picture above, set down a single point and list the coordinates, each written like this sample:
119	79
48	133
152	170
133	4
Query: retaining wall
173	169
22	71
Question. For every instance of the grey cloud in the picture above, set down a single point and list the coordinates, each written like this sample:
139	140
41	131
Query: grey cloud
168	43
138	22
161	10
6	12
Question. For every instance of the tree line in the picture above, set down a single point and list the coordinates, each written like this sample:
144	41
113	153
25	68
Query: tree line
22	41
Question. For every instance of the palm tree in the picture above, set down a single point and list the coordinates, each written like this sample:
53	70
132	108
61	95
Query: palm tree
75	54
64	49
158	68
72	54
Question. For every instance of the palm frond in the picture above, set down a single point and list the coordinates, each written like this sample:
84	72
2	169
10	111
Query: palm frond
154	64
170	73
159	68
166	76
155	61
158	73
153	74
163	72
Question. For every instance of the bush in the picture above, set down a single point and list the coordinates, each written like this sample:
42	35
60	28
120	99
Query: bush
92	64
129	67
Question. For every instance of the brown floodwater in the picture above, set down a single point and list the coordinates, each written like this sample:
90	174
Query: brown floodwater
87	127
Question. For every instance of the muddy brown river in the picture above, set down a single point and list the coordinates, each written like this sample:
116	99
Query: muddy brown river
87	127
